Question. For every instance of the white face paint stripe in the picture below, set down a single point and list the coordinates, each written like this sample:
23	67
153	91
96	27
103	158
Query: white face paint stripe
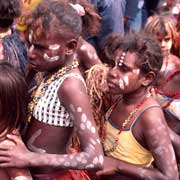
121	84
136	71
50	59
54	47
126	80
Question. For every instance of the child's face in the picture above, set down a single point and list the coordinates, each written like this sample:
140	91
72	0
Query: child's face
165	43
45	52
125	76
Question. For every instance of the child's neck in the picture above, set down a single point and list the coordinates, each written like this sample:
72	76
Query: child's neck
136	96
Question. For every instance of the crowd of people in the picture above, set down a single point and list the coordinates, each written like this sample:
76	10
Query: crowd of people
89	90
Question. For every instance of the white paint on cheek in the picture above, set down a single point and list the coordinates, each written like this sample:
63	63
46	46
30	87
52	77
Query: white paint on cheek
30	36
121	84
31	48
50	59
21	178
126	80
54	47
136	71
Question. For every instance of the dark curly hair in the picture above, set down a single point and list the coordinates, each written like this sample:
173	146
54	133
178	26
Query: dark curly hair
55	15
9	10
146	48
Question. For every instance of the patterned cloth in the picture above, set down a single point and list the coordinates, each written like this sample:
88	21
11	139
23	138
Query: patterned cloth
15	52
49	109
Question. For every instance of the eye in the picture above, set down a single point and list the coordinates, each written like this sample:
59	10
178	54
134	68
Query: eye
123	68
167	39
40	47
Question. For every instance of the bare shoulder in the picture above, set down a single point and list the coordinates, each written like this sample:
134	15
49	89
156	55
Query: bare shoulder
152	117
175	60
87	54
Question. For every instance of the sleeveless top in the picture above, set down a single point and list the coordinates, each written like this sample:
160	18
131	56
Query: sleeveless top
49	109
128	148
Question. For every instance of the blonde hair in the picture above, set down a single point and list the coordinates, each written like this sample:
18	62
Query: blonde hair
161	25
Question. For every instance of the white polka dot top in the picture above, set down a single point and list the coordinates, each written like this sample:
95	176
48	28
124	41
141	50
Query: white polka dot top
49	109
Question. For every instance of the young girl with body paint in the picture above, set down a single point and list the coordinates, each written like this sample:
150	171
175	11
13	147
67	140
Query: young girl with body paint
13	96
136	141
60	103
168	92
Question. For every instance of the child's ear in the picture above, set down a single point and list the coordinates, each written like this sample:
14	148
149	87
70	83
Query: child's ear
71	47
148	79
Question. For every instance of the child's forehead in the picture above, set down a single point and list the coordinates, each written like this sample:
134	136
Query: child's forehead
129	58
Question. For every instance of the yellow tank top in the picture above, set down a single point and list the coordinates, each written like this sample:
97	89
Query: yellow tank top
21	22
128	148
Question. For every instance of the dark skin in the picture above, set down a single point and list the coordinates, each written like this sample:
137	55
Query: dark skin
57	138
87	56
142	131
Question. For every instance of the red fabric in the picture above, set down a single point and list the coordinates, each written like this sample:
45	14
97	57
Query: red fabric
63	175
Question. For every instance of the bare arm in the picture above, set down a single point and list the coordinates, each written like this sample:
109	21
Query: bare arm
16	173
72	94
156	135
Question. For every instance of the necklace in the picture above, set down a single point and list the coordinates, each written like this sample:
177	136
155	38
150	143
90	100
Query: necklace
40	91
114	144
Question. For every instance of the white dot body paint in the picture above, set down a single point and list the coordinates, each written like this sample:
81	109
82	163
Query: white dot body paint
98	141
83	47
88	124
54	47
79	109
95	160
67	163
121	84
93	130
101	159
126	80
84	161
78	158
83	118
93	141
82	126
50	59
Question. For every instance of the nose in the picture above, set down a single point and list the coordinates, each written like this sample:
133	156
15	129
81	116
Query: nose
163	43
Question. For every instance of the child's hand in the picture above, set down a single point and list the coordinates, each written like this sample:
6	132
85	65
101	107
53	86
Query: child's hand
14	155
